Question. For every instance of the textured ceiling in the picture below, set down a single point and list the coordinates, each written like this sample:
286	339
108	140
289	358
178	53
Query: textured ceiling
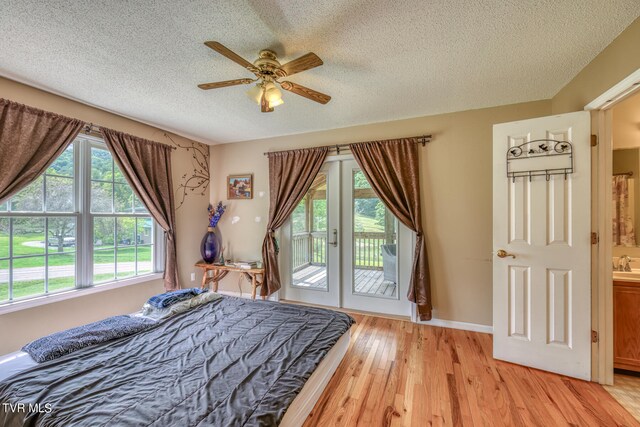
383	60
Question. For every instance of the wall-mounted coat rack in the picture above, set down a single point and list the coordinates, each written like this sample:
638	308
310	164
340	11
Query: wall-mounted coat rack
540	157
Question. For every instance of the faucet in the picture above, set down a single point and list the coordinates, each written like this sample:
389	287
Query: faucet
624	263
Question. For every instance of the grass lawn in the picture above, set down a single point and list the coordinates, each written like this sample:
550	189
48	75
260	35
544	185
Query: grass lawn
34	287
67	258
367	224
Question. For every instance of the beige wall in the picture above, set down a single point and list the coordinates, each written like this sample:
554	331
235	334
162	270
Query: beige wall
456	195
17	328
613	64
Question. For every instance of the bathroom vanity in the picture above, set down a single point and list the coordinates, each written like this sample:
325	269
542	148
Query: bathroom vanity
626	320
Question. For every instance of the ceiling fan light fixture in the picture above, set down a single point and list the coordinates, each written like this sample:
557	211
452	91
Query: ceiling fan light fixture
276	102
272	94
255	93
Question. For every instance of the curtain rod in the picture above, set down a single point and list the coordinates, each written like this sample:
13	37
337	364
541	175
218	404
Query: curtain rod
623	173
422	139
93	130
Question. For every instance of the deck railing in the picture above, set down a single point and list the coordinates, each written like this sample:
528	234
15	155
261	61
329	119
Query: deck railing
310	249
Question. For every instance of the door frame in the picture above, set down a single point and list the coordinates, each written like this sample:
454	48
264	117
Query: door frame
601	254
404	263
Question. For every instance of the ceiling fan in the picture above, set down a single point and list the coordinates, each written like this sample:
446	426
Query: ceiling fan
268	72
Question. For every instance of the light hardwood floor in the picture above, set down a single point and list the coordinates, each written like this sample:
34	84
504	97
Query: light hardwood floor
400	373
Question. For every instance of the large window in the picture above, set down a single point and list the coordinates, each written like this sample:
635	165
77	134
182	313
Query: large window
77	225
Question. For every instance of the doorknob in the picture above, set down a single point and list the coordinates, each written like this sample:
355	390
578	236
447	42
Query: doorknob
503	254
335	238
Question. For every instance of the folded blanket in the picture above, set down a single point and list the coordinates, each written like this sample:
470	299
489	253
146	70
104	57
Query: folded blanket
172	297
65	342
179	307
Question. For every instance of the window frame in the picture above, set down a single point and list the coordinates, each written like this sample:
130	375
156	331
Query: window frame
84	248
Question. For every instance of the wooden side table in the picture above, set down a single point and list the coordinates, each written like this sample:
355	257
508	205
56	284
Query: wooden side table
218	272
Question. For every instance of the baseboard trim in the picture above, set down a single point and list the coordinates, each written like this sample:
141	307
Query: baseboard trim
473	327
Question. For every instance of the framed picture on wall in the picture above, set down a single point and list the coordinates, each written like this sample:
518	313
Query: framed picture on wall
240	186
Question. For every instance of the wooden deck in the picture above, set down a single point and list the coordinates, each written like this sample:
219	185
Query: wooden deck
398	373
366	281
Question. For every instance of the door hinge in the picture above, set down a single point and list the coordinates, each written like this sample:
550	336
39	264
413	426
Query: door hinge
594	140
594	336
594	238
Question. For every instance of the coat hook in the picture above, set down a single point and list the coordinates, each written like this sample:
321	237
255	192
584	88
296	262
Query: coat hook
529	176
547	175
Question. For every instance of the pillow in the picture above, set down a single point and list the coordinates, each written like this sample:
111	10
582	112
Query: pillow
180	307
65	342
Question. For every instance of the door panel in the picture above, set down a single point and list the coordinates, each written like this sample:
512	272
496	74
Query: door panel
541	298
374	249
311	254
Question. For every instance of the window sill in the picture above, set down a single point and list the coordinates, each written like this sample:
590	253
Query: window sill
74	293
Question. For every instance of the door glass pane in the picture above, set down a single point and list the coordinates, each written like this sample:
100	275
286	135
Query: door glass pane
309	238
374	242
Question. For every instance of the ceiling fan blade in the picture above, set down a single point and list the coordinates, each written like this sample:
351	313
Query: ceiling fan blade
226	83
222	50
305	62
264	104
306	92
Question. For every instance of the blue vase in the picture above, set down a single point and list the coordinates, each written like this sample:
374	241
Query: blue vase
211	245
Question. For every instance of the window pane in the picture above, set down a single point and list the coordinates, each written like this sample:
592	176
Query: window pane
4	280
101	197
126	261
4	206
63	165
28	276
61	235
4	237
145	256
62	271
28	236
59	194
118	176
104	265
144	231
101	164
126	231
138	206
29	199
124	198
104	253
103	232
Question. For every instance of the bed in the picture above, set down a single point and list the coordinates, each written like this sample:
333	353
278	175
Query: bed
229	362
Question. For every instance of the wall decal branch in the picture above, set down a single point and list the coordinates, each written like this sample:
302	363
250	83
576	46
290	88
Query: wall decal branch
198	179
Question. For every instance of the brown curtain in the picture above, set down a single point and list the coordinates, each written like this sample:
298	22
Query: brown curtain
30	140
291	174
147	167
392	168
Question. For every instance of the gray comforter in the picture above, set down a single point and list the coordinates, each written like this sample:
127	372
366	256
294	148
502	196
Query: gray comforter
231	362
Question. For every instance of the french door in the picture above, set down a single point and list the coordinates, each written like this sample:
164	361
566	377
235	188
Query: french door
343	248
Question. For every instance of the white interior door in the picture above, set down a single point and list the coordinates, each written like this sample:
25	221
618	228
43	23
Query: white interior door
310	257
542	295
376	249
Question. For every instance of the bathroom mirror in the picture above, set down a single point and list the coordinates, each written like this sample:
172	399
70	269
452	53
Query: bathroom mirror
626	197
